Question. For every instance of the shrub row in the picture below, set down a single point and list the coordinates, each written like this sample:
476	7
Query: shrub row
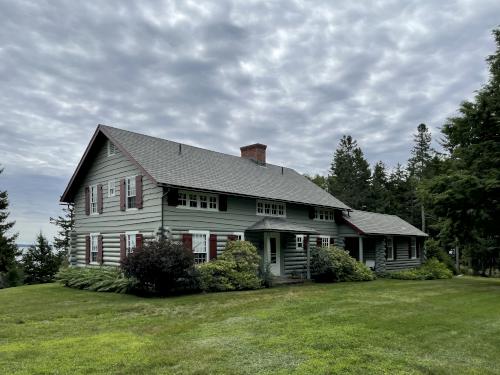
430	270
99	279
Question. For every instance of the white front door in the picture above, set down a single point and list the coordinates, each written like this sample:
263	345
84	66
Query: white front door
273	252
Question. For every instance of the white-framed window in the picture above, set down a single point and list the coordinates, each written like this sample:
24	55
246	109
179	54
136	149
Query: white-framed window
130	192
200	240
111	148
93	200
325	241
268	208
413	247
131	241
94	247
111	188
325	215
240	236
299	242
198	201
389	246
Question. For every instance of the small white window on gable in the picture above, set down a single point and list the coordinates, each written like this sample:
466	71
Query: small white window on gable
130	192
299	242
389	245
199	201
325	241
94	238
200	245
111	148
111	188
268	208
93	199
131	238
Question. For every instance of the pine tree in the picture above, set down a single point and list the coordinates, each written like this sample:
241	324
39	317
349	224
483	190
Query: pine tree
40	263
65	223
349	178
379	195
8	249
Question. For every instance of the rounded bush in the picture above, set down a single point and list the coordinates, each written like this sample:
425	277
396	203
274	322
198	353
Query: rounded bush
334	264
161	267
432	269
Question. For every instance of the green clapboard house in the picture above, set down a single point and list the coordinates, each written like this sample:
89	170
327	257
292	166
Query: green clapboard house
129	188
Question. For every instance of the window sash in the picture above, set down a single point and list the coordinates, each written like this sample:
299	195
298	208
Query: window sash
323	215
325	241
111	188
131	242
94	240
130	191
413	247
390	248
198	201
200	246
93	199
269	208
299	242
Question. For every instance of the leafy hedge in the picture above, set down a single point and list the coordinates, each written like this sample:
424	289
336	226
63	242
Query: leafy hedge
334	264
236	269
99	279
430	270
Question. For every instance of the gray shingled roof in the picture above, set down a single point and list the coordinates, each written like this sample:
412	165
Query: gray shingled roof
373	223
279	225
202	169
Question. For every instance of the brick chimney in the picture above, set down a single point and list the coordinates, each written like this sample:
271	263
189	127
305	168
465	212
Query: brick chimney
255	152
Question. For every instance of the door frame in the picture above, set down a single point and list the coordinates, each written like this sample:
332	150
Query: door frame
276	271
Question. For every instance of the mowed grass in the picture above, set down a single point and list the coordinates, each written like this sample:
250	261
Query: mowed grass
385	326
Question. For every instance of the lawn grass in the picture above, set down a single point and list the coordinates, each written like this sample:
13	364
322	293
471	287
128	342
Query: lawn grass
385	326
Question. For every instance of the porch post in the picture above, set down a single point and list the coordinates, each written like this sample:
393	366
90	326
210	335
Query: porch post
308	254
361	249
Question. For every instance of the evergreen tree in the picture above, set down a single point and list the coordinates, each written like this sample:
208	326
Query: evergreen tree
40	264
65	223
9	275
349	178
466	198
378	200
401	194
319	180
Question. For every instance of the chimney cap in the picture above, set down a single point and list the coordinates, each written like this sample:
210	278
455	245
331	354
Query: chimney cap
254	145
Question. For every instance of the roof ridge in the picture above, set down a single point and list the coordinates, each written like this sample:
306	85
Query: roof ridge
188	145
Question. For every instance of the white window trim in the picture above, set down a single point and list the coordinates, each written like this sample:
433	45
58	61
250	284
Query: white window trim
198	202
240	234
413	247
111	144
92	236
323	237
297	236
269	202
329	213
96	212
207	245
127	235
126	193
109	188
390	238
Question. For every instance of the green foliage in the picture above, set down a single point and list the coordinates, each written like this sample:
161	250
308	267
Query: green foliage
98	279
434	249
319	180
40	263
236	269
334	264
65	223
161	267
430	270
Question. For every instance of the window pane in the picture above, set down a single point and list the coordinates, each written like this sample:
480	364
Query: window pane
203	201
193	200
213	202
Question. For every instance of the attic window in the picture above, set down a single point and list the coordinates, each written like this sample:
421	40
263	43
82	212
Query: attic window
111	148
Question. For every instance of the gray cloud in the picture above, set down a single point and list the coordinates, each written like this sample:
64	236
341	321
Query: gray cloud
295	75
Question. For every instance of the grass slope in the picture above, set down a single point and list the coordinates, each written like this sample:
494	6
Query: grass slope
386	326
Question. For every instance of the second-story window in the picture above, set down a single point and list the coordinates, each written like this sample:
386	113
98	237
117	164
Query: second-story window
326	215
200	201
268	208
130	191
93	199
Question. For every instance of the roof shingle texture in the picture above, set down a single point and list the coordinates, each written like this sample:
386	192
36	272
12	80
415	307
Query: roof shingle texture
279	225
202	169
373	223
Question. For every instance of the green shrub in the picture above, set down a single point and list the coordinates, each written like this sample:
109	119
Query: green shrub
334	264
434	249
236	269
430	270
99	279
161	267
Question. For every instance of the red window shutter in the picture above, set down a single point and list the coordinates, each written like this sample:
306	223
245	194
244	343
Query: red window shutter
87	249
332	241
231	237
122	194
306	242
123	246
100	199
100	252
312	212
213	246
138	241
87	200
138	191
187	240
318	241
173	197
222	202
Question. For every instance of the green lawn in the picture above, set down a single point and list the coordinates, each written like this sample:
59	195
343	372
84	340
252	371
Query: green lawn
385	326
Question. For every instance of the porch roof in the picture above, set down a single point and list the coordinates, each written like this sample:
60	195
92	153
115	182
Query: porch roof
275	224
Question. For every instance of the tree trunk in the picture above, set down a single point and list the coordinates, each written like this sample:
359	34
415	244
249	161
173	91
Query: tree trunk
422	214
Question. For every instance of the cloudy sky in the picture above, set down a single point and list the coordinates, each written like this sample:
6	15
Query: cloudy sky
294	75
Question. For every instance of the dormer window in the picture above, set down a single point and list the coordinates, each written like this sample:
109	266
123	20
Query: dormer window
323	215
111	148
